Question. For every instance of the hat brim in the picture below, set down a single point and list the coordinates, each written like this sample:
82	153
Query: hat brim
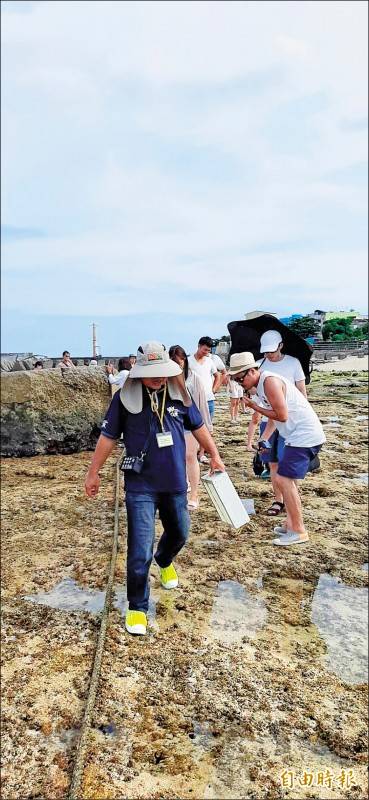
237	370
169	369
270	349
131	393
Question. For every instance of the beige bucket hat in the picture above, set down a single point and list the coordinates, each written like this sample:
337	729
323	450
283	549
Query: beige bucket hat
153	362
240	362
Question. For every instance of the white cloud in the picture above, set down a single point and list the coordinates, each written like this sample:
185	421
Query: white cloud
172	141
293	47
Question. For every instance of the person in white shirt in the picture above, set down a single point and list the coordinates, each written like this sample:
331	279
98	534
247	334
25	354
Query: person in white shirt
220	368
203	365
118	379
271	345
281	401
235	394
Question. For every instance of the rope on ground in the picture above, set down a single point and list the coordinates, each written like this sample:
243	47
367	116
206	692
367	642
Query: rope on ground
86	722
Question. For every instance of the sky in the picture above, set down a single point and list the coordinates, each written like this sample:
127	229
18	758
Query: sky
169	166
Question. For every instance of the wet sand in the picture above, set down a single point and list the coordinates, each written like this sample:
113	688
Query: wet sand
252	681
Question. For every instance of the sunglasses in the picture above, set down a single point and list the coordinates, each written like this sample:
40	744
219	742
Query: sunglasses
239	378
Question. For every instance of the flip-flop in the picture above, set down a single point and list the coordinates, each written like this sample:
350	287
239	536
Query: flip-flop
273	511
192	505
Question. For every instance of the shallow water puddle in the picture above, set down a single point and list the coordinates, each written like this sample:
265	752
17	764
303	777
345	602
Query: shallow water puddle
362	478
202	735
236	613
340	613
365	566
69	596
249	505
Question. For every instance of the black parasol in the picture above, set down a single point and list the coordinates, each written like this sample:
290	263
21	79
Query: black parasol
246	333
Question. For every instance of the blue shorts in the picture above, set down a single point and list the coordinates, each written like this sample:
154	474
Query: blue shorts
275	454
295	462
211	404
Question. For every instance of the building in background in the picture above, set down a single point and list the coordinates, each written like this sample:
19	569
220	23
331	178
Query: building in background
288	320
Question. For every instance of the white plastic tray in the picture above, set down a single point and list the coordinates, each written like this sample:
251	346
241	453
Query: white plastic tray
225	499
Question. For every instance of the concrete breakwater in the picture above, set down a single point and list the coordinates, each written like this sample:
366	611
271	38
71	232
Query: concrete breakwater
52	412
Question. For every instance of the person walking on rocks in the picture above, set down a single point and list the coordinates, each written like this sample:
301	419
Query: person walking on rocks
152	410
197	393
300	428
203	365
235	393
274	360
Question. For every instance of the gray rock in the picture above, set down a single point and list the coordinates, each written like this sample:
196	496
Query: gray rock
52	412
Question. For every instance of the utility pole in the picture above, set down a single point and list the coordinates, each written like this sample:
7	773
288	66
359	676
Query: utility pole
94	343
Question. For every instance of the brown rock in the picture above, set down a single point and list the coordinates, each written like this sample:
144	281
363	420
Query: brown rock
52	412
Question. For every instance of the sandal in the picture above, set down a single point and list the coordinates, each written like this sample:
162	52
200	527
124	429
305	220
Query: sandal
192	505
275	509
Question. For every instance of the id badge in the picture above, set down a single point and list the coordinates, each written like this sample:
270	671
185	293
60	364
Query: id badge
164	439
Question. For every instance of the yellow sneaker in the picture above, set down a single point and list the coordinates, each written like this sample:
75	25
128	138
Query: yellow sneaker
136	622
168	577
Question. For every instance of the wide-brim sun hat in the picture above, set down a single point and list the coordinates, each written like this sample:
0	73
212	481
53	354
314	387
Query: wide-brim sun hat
153	362
240	362
269	341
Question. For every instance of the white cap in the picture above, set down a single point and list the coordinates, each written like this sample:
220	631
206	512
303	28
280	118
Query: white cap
269	341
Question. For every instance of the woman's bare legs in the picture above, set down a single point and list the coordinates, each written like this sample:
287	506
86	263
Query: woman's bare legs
193	467
234	408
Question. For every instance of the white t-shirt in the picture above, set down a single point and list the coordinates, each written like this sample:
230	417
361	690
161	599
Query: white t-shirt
302	428
234	389
119	379
219	364
289	367
206	371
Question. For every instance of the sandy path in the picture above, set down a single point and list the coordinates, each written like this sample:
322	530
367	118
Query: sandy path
348	364
253	670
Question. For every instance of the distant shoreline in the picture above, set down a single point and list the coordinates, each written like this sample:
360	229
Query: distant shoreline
348	364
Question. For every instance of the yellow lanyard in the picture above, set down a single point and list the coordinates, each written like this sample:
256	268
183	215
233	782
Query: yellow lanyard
155	405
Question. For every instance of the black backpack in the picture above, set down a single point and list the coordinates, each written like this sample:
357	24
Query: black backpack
257	465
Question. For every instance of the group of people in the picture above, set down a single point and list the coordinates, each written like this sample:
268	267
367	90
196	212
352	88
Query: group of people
164	411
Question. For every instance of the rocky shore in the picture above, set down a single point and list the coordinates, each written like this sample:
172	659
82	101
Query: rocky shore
252	681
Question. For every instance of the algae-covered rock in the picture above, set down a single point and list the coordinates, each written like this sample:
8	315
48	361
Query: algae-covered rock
52	411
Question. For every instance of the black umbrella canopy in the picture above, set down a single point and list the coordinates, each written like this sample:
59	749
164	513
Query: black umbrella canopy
245	336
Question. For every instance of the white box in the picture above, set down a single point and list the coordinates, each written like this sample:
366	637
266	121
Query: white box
225	499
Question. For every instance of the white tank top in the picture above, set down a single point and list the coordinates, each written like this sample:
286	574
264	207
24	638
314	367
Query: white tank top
303	428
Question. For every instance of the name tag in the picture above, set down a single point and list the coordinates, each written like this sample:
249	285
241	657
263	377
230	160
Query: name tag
164	439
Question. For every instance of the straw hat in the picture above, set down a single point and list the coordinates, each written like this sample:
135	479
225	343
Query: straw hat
240	362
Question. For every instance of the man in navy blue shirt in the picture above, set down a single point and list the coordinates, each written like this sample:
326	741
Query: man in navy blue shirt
151	411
